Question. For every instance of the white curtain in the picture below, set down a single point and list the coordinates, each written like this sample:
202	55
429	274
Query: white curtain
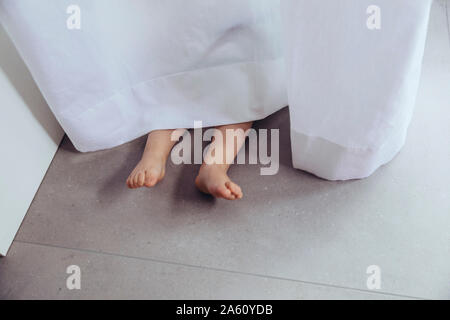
136	66
353	73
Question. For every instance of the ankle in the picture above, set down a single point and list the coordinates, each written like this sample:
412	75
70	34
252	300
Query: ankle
215	167
154	157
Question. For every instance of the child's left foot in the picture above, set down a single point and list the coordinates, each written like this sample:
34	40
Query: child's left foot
213	180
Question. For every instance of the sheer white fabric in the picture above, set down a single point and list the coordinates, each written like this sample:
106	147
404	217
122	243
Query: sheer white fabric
136	66
352	88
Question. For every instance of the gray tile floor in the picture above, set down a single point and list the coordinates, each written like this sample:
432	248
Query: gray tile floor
293	236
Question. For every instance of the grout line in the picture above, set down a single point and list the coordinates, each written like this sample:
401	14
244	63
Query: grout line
220	270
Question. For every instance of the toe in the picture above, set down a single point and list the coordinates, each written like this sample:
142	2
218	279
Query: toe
223	192
235	189
141	179
136	180
131	181
150	180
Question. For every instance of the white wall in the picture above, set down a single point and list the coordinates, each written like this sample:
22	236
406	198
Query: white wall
29	138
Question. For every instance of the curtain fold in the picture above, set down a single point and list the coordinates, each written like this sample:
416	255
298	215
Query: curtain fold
141	65
353	73
138	66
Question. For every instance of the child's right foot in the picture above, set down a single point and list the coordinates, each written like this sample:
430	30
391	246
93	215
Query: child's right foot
147	173
152	167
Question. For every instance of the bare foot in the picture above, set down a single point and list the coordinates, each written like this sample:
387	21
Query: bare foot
152	167
147	173
213	180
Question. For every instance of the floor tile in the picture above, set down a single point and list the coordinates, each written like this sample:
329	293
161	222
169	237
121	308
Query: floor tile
292	225
37	272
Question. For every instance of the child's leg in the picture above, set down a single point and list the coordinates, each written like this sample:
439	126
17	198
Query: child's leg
212	178
152	167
